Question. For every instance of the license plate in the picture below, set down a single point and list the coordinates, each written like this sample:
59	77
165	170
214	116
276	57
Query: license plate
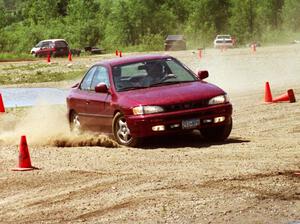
190	123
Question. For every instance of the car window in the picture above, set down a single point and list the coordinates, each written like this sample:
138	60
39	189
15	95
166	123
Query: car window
182	74
61	44
224	37
132	70
45	44
87	80
39	44
148	73
100	75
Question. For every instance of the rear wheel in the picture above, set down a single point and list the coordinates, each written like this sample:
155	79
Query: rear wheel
121	131
75	123
218	133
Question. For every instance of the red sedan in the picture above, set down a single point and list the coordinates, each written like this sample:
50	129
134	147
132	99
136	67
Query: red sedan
141	96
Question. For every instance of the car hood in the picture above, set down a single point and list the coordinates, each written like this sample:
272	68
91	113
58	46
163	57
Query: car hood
170	94
35	49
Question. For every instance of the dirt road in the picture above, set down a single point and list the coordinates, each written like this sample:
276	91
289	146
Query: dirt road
251	178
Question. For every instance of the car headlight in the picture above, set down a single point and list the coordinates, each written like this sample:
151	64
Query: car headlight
218	100
140	110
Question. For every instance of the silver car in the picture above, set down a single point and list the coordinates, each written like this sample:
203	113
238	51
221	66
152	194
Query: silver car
223	41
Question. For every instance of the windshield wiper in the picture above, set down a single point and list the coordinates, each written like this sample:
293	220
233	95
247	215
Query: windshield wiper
169	83
132	87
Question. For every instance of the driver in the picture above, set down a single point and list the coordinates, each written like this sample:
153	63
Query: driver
155	73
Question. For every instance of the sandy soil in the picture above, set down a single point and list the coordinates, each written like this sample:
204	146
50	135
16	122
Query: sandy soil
250	178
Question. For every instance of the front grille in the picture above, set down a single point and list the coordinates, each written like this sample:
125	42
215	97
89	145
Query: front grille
186	106
223	41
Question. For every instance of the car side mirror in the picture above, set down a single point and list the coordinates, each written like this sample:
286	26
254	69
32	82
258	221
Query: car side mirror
101	88
202	74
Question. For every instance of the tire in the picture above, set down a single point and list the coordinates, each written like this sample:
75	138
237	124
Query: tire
75	125
121	131
219	133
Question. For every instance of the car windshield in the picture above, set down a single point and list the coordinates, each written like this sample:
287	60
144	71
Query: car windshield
224	37
39	44
60	44
150	73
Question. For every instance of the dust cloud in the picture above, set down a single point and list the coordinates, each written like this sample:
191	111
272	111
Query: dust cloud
240	70
45	125
83	140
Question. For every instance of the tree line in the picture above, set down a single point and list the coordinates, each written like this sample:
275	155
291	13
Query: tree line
144	24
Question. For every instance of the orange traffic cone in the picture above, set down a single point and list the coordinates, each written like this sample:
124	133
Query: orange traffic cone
120	53
117	53
253	46
70	56
2	108
200	53
24	157
268	94
288	96
49	58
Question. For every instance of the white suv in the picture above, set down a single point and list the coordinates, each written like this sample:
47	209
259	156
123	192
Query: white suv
223	41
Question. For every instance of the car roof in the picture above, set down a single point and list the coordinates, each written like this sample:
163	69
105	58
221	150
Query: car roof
223	35
53	40
175	37
132	59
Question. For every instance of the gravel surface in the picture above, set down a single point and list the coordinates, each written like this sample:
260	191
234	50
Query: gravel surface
251	178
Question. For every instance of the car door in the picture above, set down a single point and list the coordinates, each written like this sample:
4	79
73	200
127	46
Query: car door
80	99
61	48
98	109
45	48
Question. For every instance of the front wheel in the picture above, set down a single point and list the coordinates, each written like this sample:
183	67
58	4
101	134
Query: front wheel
75	124
218	133
121	131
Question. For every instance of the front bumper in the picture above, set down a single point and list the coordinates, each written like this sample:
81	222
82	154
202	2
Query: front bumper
219	45
142	126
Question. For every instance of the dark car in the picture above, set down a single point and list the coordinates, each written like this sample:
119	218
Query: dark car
141	96
53	47
94	50
175	42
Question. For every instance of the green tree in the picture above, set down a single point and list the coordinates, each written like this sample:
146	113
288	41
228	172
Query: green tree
83	23
291	16
42	11
243	21
207	19
143	24
131	21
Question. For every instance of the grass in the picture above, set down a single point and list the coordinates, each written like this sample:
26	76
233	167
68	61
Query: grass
39	76
25	67
12	56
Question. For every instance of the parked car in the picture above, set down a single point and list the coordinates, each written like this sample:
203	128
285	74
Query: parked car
54	47
149	95
175	42
224	41
94	50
